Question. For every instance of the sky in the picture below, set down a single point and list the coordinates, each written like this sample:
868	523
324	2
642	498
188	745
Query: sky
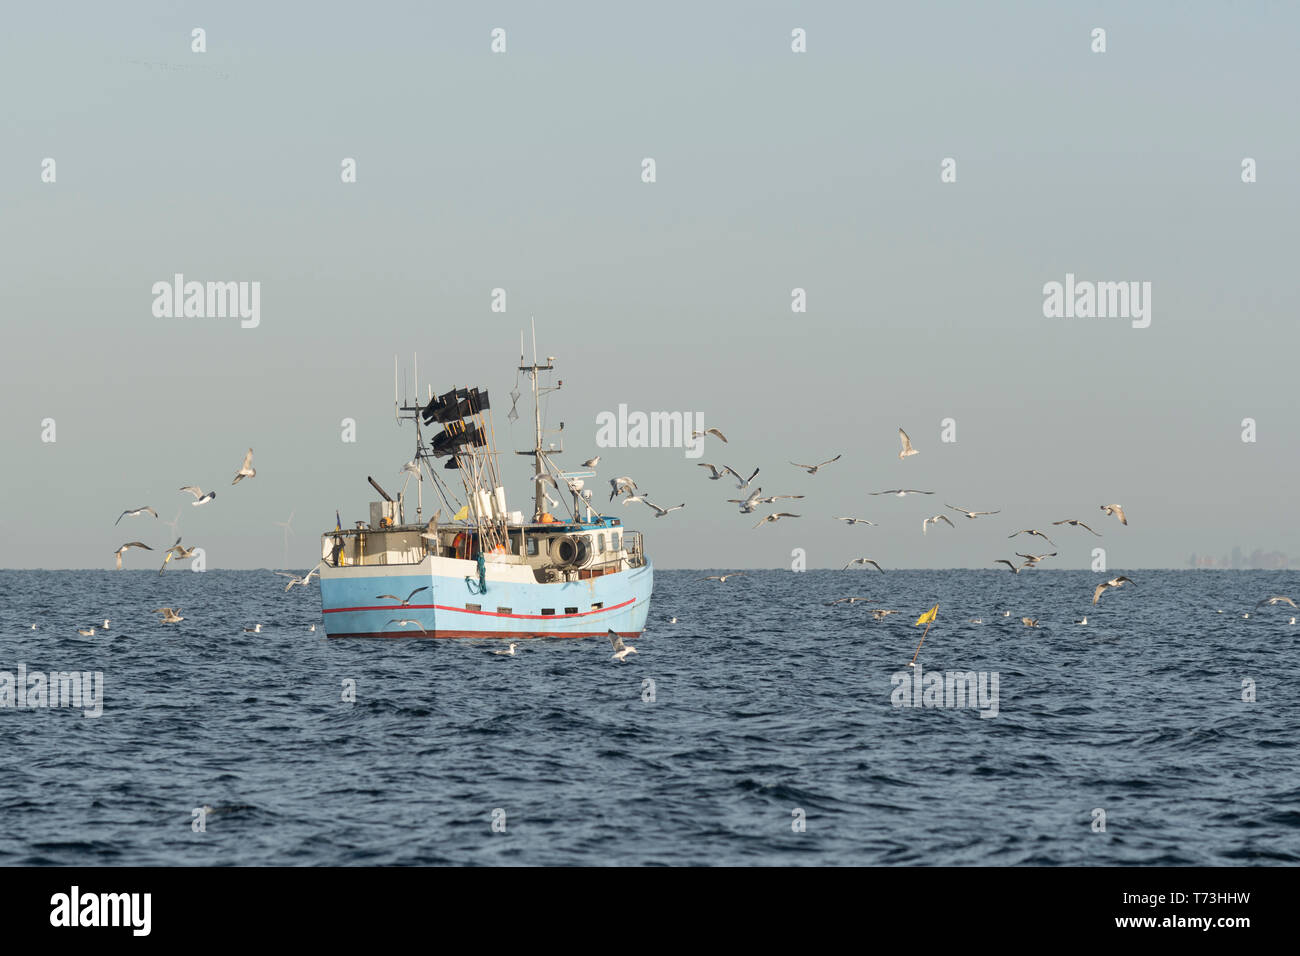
774	171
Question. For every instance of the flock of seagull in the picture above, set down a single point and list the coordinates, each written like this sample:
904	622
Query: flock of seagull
172	615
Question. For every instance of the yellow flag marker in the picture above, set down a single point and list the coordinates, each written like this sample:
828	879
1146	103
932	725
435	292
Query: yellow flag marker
927	619
461	515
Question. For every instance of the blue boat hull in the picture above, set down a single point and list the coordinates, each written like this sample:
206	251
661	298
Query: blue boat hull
453	606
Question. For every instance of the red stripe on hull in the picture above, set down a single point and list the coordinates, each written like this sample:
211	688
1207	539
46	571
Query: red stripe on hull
486	635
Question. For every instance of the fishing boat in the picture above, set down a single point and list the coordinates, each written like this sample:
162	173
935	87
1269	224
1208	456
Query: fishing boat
476	569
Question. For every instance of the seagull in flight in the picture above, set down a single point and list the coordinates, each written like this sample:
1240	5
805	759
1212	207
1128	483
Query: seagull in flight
710	431
776	517
620	485
404	602
1112	583
1117	511
863	561
853	521
660	512
133	513
813	469
1033	531
176	551
1276	599
1015	569
972	514
411	467
907	445
848	600
621	650
935	520
901	492
1033	559
127	547
741	483
294	579
748	505
199	497
402	622
546	477
880	613
591	462
246	470
715	474
1075	522
1029	621
169	616
723	577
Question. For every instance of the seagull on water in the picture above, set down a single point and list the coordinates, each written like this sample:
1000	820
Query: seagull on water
1084	621
853	521
863	561
199	497
1117	511
127	547
972	514
86	631
507	653
255	629
1112	583
246	470
777	516
404	602
136	512
710	431
621	650
105	625
723	577
902	492
907	445
813	469
935	520
169	615
1075	522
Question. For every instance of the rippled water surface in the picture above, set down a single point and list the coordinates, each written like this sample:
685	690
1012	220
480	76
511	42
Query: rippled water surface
766	702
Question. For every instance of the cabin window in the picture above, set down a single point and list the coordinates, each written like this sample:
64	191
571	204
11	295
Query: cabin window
504	610
600	543
598	605
473	607
548	610
532	547
570	610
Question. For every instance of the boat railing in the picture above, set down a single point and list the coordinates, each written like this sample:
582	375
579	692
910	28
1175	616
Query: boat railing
635	548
